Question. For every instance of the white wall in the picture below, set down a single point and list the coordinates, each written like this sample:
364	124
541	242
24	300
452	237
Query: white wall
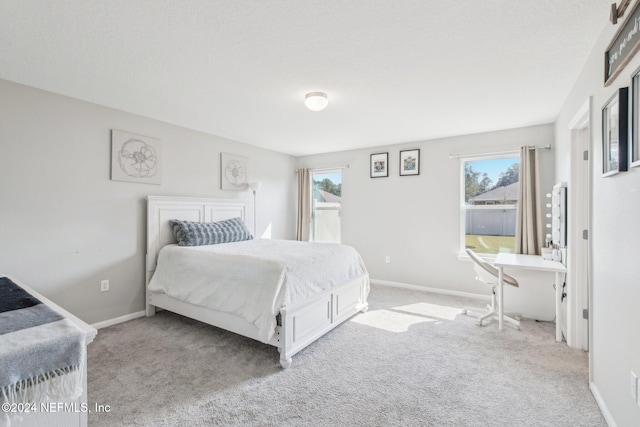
416	219
65	225
615	243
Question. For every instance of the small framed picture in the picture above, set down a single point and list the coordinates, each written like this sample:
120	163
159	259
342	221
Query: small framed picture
615	120
379	165
410	162
635	119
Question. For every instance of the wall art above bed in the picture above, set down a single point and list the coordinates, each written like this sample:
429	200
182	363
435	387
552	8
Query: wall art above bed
233	172
135	158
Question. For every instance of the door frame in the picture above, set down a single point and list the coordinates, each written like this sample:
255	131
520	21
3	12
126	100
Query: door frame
579	216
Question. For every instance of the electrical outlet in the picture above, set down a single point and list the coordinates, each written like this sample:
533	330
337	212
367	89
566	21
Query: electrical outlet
104	286
387	259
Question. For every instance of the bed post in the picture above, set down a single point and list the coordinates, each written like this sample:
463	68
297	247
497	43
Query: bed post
285	336
153	231
150	309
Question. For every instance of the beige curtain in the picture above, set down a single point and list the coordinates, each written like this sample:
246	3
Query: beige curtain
304	205
529	231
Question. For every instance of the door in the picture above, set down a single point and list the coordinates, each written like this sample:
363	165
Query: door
582	228
578	245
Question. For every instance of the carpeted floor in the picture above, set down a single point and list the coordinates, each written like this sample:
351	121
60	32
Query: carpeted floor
412	360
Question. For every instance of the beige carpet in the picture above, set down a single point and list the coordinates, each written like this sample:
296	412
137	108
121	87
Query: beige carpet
412	360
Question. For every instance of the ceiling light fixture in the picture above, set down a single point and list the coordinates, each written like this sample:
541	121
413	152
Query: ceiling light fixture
316	101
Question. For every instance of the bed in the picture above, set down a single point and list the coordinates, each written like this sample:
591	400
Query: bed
297	318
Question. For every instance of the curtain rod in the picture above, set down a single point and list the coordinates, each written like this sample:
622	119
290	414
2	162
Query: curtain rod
497	153
328	169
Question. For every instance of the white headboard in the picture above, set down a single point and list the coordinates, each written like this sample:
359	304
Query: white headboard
161	209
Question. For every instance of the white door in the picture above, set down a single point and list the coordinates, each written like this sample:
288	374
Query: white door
578	245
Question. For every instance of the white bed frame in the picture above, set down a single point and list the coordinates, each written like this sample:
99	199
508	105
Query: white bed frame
301	324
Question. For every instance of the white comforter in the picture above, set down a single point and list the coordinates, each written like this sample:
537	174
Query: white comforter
255	278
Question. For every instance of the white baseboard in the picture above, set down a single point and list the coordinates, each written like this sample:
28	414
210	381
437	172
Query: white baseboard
139	314
603	406
427	289
120	319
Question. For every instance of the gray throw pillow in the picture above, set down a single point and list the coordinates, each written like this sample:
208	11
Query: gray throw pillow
189	233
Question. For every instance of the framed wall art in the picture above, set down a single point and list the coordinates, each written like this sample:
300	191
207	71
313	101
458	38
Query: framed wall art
135	158
623	47
615	120
233	171
379	165
635	119
410	162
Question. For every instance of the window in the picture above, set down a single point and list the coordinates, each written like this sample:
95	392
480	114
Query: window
489	201
326	223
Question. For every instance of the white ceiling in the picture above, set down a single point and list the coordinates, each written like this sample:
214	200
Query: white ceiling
394	70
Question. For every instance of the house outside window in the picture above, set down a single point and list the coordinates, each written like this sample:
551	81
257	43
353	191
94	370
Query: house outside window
489	203
326	216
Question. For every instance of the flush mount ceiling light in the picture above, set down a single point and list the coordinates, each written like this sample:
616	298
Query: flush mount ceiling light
316	101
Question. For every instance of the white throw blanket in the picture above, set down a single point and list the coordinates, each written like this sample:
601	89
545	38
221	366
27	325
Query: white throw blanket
41	352
255	278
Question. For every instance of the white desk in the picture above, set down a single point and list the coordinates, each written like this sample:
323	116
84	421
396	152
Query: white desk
532	262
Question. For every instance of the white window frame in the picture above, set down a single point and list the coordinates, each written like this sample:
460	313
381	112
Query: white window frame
464	207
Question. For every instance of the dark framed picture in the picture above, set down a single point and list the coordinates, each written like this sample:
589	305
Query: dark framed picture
635	119
615	121
410	162
379	165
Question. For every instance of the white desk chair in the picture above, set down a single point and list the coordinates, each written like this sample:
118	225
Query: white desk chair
488	274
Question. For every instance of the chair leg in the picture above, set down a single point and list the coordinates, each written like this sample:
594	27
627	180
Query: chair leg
492	313
512	320
484	315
